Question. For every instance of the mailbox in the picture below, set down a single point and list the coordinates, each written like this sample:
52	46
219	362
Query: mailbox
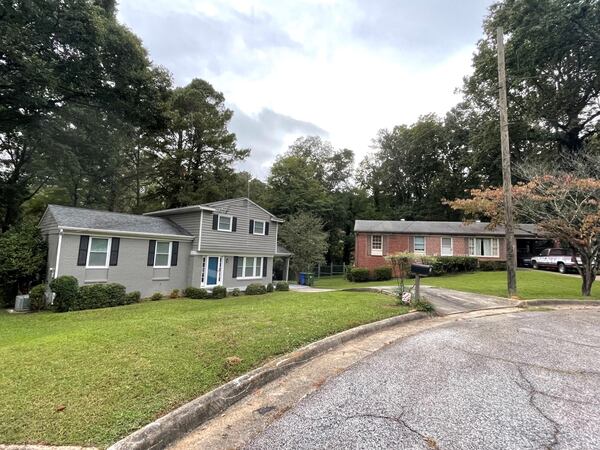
421	269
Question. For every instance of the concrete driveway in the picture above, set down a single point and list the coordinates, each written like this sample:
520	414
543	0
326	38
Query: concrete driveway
525	380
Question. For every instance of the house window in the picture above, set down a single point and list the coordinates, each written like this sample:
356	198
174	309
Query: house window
484	247
419	244
250	267
376	245
446	246
162	255
98	251
224	223
259	227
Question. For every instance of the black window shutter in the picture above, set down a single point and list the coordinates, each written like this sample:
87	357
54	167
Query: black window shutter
234	224
264	261
114	251
174	252
251	229
215	221
266	228
83	248
151	250
235	266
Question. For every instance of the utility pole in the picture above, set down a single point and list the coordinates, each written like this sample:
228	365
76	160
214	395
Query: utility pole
511	259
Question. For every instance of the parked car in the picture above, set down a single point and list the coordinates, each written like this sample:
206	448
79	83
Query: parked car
561	259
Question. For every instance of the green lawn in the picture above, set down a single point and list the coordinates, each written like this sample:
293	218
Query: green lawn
340	282
531	284
91	377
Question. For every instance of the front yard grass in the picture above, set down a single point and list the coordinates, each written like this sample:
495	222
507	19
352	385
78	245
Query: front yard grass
340	282
92	377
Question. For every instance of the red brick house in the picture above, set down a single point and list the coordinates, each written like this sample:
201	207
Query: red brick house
376	239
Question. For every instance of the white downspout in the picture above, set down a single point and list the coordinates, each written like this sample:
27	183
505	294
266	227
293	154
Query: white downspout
60	235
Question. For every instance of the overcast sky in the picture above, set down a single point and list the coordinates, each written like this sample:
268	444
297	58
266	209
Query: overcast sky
341	69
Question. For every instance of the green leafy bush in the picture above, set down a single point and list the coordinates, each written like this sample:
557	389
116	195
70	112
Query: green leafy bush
255	289
66	290
37	297
489	266
219	292
156	296
236	292
359	274
441	265
270	287
195	293
282	286
383	273
423	306
95	296
174	293
133	297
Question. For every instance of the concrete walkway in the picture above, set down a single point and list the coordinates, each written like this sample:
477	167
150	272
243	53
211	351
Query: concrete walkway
302	288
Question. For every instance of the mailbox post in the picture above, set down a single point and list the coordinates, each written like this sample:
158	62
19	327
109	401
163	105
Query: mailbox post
419	270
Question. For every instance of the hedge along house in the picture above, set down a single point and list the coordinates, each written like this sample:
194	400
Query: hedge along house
229	243
376	239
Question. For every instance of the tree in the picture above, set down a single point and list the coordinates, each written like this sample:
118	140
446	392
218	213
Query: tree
195	156
302	234
563	204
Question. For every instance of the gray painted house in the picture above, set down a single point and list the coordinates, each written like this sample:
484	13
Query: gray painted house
229	243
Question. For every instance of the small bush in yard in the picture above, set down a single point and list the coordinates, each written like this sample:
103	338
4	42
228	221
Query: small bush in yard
219	292
37	297
195	293
359	274
490	266
174	293
255	289
423	306
94	296
156	296
133	297
66	292
270	287
282	286
236	292
383	273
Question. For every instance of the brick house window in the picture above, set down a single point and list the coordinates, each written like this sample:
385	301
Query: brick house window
376	245
484	247
446	249
419	244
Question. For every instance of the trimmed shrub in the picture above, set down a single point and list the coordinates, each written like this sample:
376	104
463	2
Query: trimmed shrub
489	266
66	292
382	273
282	286
37	297
195	293
256	289
95	296
359	274
270	287
219	292
156	296
133	297
174	293
441	265
236	292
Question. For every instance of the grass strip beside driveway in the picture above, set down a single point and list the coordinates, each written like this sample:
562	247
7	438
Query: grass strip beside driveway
91	377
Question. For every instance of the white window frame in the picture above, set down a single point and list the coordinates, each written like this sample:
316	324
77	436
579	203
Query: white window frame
442	246
219	223
377	251
89	250
264	224
494	247
420	252
242	264
169	255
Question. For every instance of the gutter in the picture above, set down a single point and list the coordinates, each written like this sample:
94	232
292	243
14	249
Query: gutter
60	236
133	234
184	209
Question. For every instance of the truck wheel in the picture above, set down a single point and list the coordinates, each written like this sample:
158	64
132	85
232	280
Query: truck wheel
534	265
562	268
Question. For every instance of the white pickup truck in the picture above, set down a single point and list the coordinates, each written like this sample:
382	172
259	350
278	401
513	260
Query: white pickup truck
561	259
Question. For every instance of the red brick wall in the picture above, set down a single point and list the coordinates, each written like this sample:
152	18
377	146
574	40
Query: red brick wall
395	243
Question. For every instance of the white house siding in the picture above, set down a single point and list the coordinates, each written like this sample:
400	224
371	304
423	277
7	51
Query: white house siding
131	271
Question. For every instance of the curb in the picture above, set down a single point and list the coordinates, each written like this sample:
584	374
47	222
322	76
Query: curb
173	426
548	302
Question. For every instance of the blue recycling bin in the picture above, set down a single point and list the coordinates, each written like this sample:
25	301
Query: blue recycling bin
302	278
306	278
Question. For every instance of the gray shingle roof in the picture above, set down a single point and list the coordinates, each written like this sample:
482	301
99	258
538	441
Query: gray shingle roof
281	250
67	216
431	227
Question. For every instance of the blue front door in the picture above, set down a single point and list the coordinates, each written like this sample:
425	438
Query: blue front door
213	271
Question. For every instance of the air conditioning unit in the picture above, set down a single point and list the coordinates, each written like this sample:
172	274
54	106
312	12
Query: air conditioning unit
22	303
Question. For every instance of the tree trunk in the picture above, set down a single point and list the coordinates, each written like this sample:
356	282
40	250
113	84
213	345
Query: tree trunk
588	275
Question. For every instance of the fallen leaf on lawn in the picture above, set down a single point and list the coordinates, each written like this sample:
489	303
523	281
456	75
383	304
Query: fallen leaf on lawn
233	360
60	408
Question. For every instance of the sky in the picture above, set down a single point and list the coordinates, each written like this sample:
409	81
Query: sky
339	69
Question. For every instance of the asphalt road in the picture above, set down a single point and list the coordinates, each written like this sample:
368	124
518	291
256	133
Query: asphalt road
526	380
